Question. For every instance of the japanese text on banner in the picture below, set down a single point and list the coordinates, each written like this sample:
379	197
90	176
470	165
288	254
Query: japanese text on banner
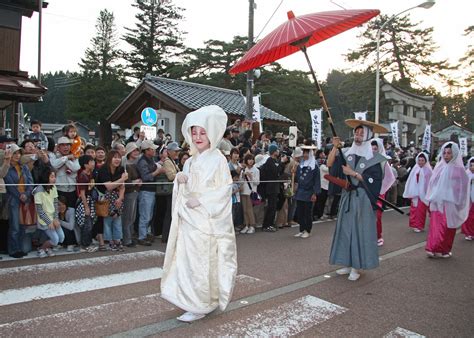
394	129
463	146
316	121
426	144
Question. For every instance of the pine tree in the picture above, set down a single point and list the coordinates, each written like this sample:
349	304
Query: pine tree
103	55
405	50
156	41
468	59
102	81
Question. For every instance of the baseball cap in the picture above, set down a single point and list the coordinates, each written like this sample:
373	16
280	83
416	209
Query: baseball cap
173	146
147	144
64	140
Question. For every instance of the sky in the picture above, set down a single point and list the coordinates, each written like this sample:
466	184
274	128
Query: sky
69	25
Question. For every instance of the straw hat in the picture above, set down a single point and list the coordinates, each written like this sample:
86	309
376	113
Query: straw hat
376	128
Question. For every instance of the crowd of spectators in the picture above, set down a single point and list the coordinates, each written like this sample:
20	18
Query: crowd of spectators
75	196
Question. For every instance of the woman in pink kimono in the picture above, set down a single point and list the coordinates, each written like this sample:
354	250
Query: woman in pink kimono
201	258
468	226
415	189
448	195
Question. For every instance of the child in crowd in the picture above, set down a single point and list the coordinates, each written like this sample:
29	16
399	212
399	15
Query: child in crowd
67	219
85	210
46	202
70	131
236	206
37	135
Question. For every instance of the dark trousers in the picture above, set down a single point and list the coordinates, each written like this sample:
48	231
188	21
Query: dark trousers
86	232
305	212
69	237
335	205
167	220
159	215
318	210
269	219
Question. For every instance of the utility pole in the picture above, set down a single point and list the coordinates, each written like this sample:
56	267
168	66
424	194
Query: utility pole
249	91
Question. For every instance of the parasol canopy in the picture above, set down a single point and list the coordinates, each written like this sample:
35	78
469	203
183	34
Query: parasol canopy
302	31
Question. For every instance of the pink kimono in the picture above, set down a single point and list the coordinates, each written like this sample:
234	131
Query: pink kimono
468	226
449	197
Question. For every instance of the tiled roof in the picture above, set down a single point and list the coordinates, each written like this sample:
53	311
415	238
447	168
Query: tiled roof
195	96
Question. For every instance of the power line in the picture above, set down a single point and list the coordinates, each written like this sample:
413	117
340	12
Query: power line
268	20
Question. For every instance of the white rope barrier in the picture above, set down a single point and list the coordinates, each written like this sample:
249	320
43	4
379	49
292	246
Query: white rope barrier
127	183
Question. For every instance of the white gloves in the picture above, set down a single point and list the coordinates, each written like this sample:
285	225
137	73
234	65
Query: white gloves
181	178
193	203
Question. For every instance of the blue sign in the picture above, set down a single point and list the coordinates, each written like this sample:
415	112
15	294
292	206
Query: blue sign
149	116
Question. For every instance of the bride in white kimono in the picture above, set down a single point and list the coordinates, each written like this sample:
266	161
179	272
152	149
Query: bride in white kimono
201	258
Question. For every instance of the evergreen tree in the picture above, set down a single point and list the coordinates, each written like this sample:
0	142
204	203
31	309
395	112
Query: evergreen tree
102	57
156	41
216	57
405	50
102	83
468	59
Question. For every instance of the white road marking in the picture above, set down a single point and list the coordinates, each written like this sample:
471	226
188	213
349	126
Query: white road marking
401	332
140	307
54	266
287	319
250	281
14	296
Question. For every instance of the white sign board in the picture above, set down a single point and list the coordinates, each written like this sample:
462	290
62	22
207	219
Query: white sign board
150	132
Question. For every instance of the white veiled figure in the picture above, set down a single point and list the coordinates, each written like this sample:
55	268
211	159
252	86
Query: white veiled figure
417	182
448	189
201	258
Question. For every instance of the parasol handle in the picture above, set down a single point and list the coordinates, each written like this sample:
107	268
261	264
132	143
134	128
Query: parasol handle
320	92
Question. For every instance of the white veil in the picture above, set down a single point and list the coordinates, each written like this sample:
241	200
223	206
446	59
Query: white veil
414	189
448	189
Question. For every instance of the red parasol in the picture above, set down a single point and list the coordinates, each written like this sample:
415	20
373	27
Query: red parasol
297	34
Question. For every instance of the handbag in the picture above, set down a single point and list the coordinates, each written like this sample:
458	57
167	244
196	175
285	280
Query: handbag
254	196
102	208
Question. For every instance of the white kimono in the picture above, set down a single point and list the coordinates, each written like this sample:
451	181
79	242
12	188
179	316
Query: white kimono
201	257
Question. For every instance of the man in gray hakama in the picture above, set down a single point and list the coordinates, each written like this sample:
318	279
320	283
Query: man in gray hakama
354	243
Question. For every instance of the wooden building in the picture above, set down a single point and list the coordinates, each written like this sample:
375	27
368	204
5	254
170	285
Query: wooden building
15	85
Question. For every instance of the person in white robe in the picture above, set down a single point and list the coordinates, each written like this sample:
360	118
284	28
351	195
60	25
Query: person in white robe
201	257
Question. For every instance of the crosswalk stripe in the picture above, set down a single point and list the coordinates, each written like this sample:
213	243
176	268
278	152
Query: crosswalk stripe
14	296
82	262
401	332
143	307
287	319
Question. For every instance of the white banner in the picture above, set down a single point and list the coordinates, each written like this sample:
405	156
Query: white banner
256	108
316	120
394	129
292	136
463	146
426	144
361	115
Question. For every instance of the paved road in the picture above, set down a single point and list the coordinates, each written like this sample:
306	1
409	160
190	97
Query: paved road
285	286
